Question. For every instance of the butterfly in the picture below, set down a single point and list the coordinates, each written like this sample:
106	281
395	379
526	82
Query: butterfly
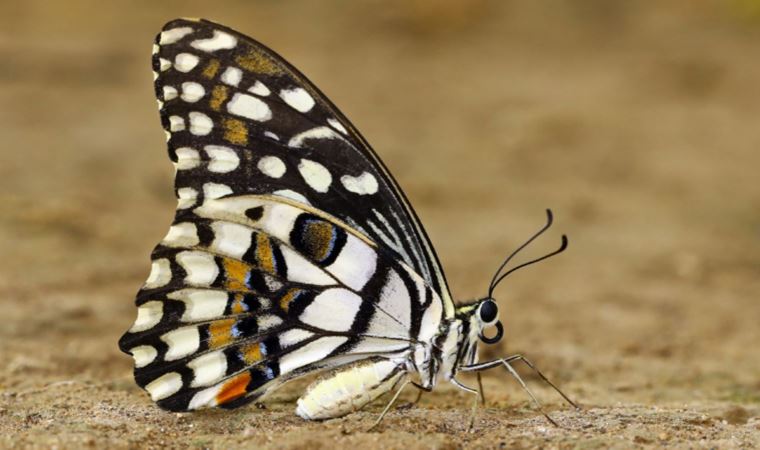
293	250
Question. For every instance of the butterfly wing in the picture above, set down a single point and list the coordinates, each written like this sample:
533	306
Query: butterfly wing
250	291
292	250
237	91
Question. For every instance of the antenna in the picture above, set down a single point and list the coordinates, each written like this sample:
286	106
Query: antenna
497	279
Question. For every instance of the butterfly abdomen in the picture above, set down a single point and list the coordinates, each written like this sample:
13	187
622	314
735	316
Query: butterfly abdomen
348	390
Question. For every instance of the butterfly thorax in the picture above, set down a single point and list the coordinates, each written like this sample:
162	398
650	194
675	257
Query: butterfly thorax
454	345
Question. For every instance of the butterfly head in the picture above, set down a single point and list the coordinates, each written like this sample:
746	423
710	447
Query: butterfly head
482	315
486	315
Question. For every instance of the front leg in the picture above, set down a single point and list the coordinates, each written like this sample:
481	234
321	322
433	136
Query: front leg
505	363
479	395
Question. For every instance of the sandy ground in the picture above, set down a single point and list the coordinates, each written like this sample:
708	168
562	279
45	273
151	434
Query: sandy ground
636	123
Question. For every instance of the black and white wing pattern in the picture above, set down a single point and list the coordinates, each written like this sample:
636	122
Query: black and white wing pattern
292	249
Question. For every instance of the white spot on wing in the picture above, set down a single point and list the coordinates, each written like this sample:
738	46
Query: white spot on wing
271	135
173	35
185	62
309	353
315	175
232	76
169	93
298	99
205	398
160	274
200	267
143	355
337	125
200	304
332	310
272	283
267	321
164	386
298	140
186	197
223	159
292	195
200	124
219	41
187	158
216	190
294	336
183	234
181	342
164	64
259	88
250	107
271	166
208	369
176	123
231	239
364	184
192	91
148	315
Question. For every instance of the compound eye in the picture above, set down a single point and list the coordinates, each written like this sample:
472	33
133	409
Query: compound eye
488	311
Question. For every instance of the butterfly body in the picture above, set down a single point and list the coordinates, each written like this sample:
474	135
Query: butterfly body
349	390
292	251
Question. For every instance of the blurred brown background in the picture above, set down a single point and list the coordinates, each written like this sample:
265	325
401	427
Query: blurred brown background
637	122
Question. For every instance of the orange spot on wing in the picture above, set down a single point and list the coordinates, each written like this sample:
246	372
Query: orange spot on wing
258	63
287	298
251	353
235	131
218	96
318	236
233	388
236	272
220	333
211	69
237	304
264	253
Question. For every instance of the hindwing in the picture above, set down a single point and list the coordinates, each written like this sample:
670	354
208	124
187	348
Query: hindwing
246	292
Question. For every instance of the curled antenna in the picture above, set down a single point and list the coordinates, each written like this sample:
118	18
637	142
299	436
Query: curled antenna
497	277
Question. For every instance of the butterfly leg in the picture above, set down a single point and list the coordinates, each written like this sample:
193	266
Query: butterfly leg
543	377
420	390
481	390
505	362
390	403
475	403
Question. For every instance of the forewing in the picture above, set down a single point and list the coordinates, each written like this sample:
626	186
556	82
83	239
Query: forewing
239	111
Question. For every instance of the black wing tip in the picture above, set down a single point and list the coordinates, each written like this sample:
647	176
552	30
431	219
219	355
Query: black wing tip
125	344
194	22
183	21
177	403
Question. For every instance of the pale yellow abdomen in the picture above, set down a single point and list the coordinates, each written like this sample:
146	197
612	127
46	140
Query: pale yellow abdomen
348	390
